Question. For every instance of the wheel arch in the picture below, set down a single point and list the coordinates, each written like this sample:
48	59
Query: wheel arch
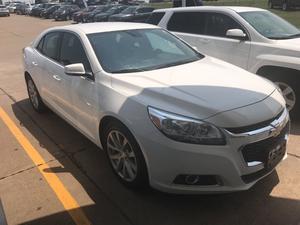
271	71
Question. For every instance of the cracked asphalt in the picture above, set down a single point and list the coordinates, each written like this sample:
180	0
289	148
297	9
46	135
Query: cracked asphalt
27	197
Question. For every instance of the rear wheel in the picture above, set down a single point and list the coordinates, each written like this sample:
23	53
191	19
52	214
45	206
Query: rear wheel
34	96
124	154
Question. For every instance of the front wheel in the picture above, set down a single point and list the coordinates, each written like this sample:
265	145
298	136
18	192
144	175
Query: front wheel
34	96
125	155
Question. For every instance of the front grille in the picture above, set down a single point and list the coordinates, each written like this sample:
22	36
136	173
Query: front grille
240	130
259	151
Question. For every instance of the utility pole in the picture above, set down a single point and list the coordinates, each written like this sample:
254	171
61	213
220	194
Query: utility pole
183	3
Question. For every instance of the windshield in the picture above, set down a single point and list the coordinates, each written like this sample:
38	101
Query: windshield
140	50
129	10
270	25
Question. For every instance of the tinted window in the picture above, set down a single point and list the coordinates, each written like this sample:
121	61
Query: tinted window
51	45
187	22
155	18
72	51
217	24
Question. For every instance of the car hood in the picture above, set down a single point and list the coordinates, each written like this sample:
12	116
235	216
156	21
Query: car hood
199	89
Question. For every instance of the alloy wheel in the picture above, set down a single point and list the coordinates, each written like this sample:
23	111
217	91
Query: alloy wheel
288	94
121	155
33	94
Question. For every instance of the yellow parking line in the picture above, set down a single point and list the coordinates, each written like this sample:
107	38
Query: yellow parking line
57	186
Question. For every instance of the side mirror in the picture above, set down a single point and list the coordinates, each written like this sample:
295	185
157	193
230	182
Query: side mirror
236	34
76	69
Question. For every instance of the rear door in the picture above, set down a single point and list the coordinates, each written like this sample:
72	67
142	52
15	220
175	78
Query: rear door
50	67
189	26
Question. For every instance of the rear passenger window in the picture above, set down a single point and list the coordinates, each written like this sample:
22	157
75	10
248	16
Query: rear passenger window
217	24
51	45
155	18
72	51
187	22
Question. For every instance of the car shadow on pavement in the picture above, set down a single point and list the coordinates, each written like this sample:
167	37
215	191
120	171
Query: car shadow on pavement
146	207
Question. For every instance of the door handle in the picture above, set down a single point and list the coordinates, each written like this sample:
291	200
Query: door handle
34	63
56	77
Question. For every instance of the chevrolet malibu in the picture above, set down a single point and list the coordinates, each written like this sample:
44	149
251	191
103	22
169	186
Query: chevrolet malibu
165	114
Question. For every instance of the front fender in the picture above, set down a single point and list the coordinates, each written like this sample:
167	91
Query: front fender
283	61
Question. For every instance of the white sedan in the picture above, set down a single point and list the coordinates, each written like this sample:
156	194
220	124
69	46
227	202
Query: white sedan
165	114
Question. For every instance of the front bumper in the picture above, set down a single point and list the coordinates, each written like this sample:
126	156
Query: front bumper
232	168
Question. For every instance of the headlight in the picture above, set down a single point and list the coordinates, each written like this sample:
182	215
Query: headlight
184	129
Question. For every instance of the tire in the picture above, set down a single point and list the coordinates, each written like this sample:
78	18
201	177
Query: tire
127	161
34	96
289	85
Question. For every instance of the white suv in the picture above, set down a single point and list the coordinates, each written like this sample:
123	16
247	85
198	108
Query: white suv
251	38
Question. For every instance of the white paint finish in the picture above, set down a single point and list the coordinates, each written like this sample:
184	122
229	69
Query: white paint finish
210	89
247	54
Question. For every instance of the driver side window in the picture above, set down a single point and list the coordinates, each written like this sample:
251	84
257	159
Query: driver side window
218	24
72	52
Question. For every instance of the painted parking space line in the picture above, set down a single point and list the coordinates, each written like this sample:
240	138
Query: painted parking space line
64	196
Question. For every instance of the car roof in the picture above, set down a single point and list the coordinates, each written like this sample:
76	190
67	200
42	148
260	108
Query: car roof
237	9
102	27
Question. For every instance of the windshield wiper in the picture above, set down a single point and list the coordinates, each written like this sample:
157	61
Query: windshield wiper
128	70
174	63
285	37
294	35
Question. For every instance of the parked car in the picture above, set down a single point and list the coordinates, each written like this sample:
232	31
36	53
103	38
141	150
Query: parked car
28	9
65	12
133	14
12	7
164	113
102	17
89	17
78	16
284	4
21	8
4	11
251	38
48	13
